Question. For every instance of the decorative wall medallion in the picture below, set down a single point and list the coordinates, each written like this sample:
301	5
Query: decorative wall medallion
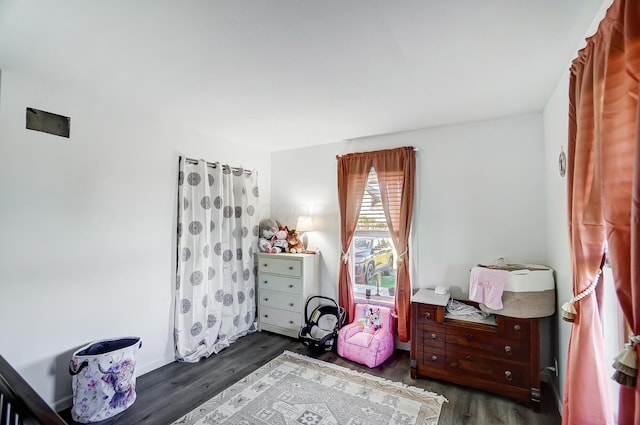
562	162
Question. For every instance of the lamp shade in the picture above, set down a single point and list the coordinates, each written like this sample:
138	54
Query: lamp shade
304	224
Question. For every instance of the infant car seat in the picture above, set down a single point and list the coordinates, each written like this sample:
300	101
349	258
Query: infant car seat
321	326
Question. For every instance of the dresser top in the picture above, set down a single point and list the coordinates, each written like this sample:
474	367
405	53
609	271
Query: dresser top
285	255
428	296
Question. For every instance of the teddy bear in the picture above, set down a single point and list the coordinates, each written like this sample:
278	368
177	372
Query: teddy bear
267	229
279	239
295	244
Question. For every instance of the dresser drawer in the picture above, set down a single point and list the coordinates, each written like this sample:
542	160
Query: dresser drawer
512	374
431	335
465	362
283	266
292	285
487	343
281	318
513	328
281	301
426	313
471	337
433	357
511	350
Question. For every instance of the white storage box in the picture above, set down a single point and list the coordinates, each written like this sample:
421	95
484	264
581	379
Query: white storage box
529	292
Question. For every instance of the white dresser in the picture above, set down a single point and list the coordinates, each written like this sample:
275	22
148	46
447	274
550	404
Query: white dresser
285	281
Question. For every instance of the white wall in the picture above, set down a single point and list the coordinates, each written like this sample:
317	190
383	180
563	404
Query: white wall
479	196
556	136
87	223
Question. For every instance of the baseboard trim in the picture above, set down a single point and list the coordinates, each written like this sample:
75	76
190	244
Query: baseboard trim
63	404
552	382
406	346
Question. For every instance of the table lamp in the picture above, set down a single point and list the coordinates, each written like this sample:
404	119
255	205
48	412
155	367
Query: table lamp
304	224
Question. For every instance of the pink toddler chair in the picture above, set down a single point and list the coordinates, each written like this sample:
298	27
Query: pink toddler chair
369	338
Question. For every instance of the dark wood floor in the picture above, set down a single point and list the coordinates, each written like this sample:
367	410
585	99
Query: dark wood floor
166	394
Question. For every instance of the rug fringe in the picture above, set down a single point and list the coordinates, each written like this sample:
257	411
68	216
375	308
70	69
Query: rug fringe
417	390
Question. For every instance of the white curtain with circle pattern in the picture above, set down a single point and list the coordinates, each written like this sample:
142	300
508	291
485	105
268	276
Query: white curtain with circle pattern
217	239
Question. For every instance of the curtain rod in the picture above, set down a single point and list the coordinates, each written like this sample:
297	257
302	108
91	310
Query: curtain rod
214	165
390	149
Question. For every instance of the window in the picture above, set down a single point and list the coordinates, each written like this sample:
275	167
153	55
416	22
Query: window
613	328
374	256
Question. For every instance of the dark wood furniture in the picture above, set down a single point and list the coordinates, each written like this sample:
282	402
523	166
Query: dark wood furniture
501	358
19	402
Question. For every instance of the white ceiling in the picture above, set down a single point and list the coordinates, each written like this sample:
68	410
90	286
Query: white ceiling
289	73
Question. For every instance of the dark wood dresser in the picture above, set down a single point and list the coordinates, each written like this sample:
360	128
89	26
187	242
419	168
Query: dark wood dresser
500	355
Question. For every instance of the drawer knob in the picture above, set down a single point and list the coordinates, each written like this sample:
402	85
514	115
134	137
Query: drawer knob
290	286
291	322
516	328
290	267
434	358
469	337
265	265
266	281
508	375
434	336
266	299
427	315
508	350
266	315
467	357
290	304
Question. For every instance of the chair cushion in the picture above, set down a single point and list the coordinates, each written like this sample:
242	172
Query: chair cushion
361	339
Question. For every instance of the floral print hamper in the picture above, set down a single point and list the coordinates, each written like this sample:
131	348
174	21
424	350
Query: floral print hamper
103	378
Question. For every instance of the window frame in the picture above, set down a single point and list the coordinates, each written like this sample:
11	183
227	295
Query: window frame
372	233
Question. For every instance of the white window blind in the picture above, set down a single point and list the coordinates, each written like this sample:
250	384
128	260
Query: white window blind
371	211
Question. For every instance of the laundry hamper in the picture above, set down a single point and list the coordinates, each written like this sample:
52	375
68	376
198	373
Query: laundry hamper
103	378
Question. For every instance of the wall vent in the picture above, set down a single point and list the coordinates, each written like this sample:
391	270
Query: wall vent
47	122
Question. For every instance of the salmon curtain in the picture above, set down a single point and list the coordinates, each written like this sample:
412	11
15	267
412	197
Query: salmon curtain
395	169
603	208
396	175
353	172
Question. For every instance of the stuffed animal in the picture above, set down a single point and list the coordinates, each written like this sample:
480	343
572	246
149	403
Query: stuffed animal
375	319
363	320
370	321
267	229
279	239
295	244
265	246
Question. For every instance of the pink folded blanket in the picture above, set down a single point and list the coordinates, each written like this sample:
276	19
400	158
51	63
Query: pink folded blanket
486	286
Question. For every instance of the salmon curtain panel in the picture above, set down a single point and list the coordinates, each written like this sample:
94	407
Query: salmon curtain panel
603	209
395	169
353	172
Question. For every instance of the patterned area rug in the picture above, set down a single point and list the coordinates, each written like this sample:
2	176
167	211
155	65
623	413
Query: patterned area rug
295	389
